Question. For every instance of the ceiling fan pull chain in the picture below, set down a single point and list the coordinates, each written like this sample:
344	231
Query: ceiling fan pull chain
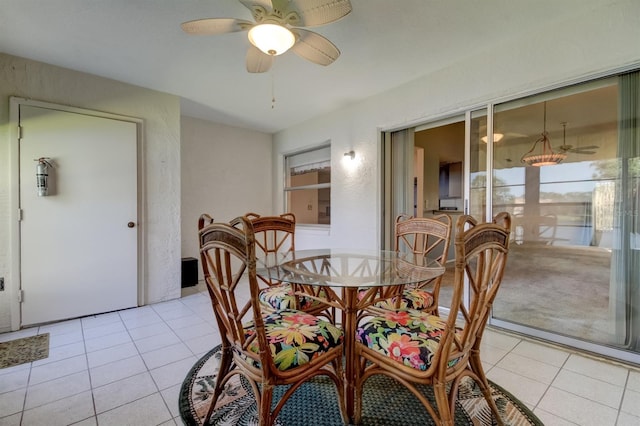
273	90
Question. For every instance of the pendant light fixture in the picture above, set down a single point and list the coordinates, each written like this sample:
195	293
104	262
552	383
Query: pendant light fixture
541	153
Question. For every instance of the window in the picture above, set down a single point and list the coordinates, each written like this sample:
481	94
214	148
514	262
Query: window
307	185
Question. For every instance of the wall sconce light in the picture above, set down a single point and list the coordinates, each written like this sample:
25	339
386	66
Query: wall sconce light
350	154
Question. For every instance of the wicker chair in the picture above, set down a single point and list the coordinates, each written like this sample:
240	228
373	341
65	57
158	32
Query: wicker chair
275	235
283	347
422	237
204	220
416	348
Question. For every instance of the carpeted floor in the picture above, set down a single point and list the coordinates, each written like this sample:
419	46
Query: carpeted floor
21	351
386	403
561	289
555	288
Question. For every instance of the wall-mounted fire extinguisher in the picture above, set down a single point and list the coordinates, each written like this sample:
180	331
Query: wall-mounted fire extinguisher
42	175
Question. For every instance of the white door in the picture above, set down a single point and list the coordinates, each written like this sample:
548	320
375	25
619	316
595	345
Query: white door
78	245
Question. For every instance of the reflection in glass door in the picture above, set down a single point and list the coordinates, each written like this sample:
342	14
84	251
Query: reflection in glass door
478	140
566	165
567	169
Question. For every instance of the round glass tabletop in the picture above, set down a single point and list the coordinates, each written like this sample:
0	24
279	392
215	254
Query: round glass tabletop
349	267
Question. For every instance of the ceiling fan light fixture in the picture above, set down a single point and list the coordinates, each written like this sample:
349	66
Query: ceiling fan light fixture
497	137
272	39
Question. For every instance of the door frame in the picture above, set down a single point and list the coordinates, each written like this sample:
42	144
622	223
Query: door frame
15	285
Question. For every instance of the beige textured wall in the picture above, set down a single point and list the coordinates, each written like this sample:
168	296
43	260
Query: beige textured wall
226	172
161	163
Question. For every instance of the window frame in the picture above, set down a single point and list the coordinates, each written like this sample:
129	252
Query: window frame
290	189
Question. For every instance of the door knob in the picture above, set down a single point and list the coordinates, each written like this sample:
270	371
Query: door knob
131	224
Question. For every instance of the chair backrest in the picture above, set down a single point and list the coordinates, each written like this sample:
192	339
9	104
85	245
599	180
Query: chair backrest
424	236
204	220
273	234
228	260
481	255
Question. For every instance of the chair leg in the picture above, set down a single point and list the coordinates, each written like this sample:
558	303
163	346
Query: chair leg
340	387
357	406
223	370
442	402
266	396
476	367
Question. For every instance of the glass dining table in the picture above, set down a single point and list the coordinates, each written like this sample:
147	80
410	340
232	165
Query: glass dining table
350	281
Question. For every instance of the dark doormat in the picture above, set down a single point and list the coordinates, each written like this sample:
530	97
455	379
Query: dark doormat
21	351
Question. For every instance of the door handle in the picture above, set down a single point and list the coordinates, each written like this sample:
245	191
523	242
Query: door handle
131	224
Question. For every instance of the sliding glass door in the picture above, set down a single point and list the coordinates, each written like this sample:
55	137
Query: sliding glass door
566	168
478	160
566	165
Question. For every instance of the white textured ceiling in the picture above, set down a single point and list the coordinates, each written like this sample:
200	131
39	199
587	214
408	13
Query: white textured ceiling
384	43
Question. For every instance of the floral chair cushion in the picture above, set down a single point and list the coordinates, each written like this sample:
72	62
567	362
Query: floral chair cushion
408	337
414	298
279	297
295	338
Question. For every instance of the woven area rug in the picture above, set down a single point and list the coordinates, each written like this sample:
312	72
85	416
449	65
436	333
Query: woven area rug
26	349
386	403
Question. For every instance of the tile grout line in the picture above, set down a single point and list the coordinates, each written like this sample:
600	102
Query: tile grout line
624	392
149	371
551	383
29	385
86	355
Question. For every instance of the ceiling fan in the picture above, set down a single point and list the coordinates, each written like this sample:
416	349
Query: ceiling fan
577	150
277	28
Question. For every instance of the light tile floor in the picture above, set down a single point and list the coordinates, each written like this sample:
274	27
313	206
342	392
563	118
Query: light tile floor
126	368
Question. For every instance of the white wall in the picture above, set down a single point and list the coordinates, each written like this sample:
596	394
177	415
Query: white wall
226	172
161	162
594	41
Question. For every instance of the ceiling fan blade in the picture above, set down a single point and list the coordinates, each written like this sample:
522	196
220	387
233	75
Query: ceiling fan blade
516	135
312	13
588	147
314	47
257	61
579	151
210	26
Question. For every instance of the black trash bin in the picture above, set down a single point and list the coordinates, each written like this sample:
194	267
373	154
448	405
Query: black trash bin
189	271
